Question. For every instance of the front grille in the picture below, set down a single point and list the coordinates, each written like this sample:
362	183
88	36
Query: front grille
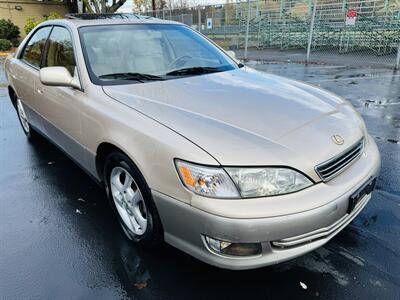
333	167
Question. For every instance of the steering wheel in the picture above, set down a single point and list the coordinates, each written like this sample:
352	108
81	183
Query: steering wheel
182	59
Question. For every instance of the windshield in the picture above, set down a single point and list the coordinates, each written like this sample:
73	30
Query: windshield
143	52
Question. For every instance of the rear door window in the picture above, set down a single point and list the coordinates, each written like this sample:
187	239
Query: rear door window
35	47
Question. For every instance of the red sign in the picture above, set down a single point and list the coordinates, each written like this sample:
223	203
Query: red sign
351	16
351	13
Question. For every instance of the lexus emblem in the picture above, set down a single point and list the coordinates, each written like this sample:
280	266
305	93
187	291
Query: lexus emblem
337	139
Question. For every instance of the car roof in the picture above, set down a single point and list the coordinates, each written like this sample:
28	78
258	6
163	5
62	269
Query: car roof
133	19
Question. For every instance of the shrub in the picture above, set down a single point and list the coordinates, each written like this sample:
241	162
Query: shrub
9	31
31	23
5	45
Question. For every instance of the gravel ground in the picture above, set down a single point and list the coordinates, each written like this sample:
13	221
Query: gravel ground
58	238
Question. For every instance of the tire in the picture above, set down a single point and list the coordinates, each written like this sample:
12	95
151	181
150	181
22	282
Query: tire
131	200
30	133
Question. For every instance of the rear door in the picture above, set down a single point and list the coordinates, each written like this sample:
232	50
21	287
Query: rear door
24	71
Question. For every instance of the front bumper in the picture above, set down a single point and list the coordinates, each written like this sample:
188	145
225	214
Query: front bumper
187	226
282	237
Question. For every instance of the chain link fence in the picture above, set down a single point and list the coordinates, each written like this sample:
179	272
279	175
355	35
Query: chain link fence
345	32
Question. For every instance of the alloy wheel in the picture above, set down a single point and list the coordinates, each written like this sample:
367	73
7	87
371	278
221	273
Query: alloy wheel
128	200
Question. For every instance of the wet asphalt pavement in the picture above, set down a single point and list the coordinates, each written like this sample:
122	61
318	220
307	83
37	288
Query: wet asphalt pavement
59	239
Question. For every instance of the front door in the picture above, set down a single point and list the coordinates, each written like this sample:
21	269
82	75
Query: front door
61	106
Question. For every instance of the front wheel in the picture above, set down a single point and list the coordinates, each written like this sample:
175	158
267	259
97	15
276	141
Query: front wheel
132	201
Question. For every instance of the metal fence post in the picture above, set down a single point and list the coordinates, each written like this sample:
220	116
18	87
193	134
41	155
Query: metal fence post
397	66
247	30
199	18
310	36
281	8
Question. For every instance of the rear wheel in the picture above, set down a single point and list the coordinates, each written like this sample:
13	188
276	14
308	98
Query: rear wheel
23	119
132	201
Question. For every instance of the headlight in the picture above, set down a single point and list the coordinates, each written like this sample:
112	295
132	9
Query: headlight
241	182
259	182
206	181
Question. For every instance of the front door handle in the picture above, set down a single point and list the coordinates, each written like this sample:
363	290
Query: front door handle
39	91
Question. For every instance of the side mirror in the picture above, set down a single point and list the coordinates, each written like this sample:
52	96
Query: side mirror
231	54
58	76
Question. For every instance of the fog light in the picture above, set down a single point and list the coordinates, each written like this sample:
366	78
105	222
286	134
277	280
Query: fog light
233	249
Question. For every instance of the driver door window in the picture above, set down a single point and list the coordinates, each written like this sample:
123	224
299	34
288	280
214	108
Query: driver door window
60	52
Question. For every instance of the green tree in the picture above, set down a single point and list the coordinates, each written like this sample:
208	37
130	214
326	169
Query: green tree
9	31
31	23
5	45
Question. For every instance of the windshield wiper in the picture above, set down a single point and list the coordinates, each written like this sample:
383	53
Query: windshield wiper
194	71
131	76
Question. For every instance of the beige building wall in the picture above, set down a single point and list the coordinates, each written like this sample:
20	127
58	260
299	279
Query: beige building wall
19	10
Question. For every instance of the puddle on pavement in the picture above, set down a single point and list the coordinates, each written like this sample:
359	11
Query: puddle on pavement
393	141
370	221
379	102
319	262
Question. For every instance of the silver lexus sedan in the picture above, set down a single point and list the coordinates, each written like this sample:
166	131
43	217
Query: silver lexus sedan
238	168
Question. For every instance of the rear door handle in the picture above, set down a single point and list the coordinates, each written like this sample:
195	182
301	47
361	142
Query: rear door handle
39	91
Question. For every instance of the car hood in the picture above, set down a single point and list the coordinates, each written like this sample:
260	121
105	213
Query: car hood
245	117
